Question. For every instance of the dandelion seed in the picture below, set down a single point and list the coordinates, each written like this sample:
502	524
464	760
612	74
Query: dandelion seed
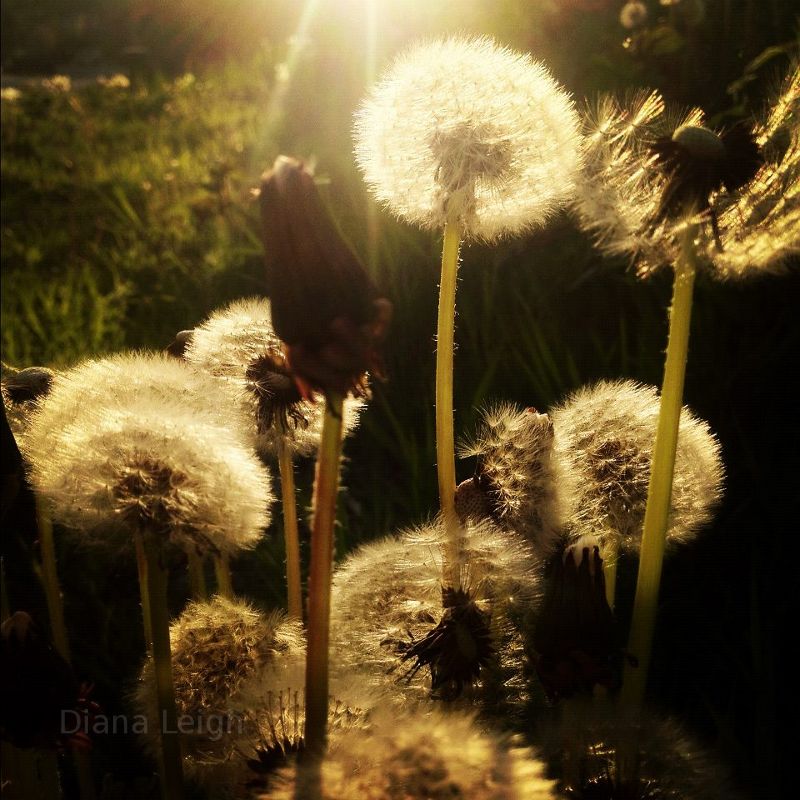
239	345
648	179
670	762
119	450
604	436
463	130
516	480
434	756
388	602
221	651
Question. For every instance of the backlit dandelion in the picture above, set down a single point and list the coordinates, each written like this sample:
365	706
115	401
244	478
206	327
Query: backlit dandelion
392	622
604	436
515	475
430	756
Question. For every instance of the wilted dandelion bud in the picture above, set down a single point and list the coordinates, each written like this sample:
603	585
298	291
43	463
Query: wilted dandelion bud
220	650
116	449
325	307
633	14
605	435
463	130
590	734
431	756
515	480
239	345
393	622
576	639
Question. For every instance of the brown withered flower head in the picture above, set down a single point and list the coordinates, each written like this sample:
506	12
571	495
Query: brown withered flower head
576	638
325	308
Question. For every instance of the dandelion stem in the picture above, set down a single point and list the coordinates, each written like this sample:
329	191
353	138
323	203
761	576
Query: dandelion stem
222	570
660	488
197	576
445	440
290	534
319	582
610	575
153	588
52	589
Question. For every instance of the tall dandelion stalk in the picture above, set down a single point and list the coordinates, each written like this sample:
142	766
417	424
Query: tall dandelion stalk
332	321
468	137
133	447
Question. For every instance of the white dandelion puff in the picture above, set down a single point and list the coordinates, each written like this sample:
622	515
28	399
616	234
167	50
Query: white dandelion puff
516	475
604	436
388	595
156	457
463	130
238	345
430	756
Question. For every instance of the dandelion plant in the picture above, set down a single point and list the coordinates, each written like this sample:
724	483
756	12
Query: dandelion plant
473	139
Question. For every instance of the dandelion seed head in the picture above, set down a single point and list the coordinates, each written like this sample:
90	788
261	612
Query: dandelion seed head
238	345
464	130
604	436
432	756
516	473
633	15
388	595
150	453
671	763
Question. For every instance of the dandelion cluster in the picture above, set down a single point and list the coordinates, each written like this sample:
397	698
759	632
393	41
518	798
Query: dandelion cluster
515	474
604	436
142	442
745	207
433	756
388	595
438	142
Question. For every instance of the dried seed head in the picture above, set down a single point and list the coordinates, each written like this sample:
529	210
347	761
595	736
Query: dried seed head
325	308
604	436
138	442
387	610
432	756
516	475
463	130
670	763
220	650
239	345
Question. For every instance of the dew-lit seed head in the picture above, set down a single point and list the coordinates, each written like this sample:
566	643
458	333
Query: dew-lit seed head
463	130
139	443
428	756
515	475
390	625
604	435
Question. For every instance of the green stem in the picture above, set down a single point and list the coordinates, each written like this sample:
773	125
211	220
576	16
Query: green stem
141	565
610	575
290	534
445	439
326	486
660	488
222	570
197	575
154	597
52	588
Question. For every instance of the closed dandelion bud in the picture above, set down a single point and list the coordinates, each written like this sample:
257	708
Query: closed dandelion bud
158	453
576	639
582	746
433	756
22	390
633	15
220	649
393	622
515	482
239	345
604	437
325	307
462	130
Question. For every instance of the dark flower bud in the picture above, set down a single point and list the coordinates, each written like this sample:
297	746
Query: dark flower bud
576	637
179	344
27	384
37	685
325	308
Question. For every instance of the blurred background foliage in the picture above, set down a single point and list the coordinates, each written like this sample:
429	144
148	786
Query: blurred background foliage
128	213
